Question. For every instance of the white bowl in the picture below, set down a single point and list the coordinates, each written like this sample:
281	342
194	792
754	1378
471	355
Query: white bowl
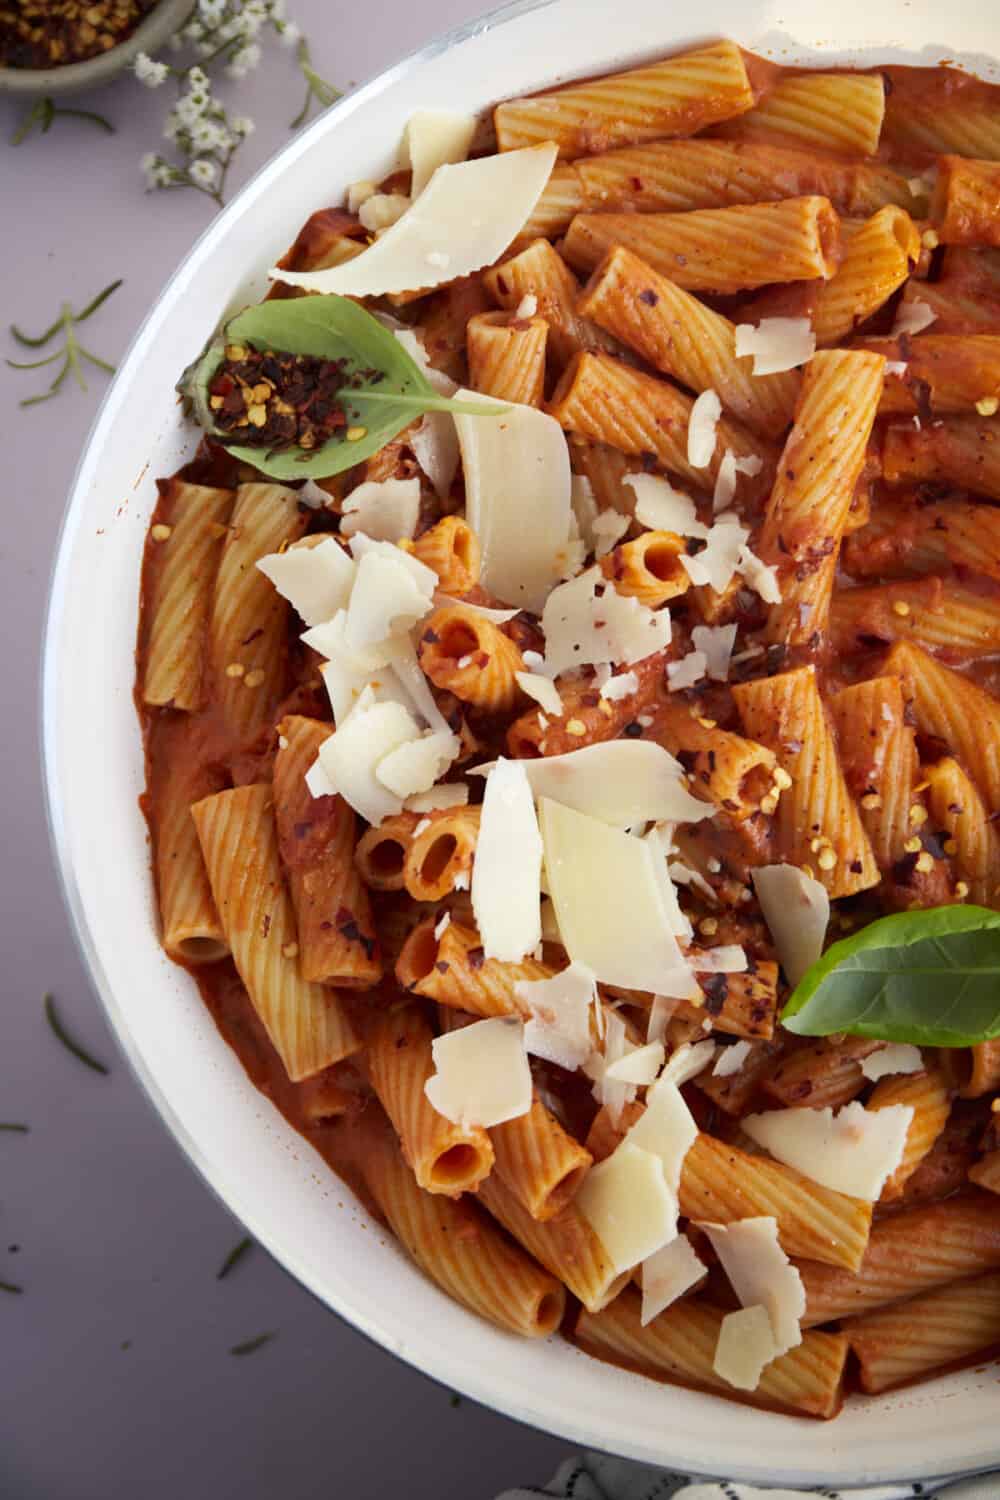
253	1160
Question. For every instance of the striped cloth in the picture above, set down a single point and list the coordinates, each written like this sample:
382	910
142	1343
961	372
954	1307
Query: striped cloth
595	1476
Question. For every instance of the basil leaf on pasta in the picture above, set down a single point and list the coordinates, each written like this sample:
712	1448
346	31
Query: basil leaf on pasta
929	977
384	388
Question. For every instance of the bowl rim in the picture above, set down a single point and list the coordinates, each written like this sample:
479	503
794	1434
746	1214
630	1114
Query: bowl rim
91	72
445	1368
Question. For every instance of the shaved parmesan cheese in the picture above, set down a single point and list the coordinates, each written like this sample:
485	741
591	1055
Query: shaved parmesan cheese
442	927
660	1012
725	483
345	685
451	794
313	495
687	1062
527	307
381	210
745	1348
762	1275
796	909
621	686
482	1075
603	885
498	617
855	1151
609	1092
686	672
662	508
474	208
702	429
731	1059
424	577
385	510
408	672
895	367
608	530
506	874
776	344
330	640
727	958
666	1127
761	577
587	622
717	562
416	766
559	1029
359	193
716	642
316	581
350	756
385	601
667	1275
585	507
679	924
435	447
628	1205
621	782
434	138
517	484
640	1066
913	317
318	781
896	1057
542	689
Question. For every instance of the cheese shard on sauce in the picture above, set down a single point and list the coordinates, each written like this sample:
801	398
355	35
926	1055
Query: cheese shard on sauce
385	601
416	766
640	1066
543	690
662	508
463	220
854	1151
702	429
913	317
726	958
776	344
585	508
351	755
517	485
607	531
559	1029
603	885
760	576
628	1205
731	1059
506	873
796	909
716	642
667	1129
745	1348
623	685
687	1062
586	622
687	671
717	562
761	1274
482	1075
434	138
896	1057
424	577
316	581
385	509
620	782
666	1275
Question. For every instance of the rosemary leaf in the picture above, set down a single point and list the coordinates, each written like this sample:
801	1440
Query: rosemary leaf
250	1346
235	1255
56	1025
91	307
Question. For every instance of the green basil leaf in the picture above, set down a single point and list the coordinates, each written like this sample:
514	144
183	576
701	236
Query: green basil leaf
929	977
393	390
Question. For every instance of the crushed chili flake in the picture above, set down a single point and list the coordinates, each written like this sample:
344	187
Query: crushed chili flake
51	33
280	401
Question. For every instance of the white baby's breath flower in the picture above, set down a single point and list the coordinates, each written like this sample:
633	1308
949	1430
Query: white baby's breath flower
194	31
172	126
244	61
277	10
150	164
197	78
150	72
203	172
211	12
290	34
242	126
206	135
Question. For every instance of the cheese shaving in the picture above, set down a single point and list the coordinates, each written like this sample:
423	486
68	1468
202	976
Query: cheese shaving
607	531
731	1059
761	577
416	766
450	794
351	755
718	560
913	317
854	1151
703	429
587	622
716	642
628	1205
639	1066
316	581
662	508
762	1275
666	1127
475	208
385	510
482	1075
621	686
385	601
796	909
727	958
745	1348
687	1062
686	672
506	874
434	138
542	689
895	1057
381	210
559	1029
725	483
776	344
667	1275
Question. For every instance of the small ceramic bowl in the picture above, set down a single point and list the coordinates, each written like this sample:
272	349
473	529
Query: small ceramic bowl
148	36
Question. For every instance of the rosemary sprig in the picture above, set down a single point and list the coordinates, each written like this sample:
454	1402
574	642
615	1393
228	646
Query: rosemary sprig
250	1346
20	1129
59	1030
235	1255
11	1286
317	88
72	353
42	113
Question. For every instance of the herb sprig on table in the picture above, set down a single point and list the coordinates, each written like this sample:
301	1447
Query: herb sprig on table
43	112
72	353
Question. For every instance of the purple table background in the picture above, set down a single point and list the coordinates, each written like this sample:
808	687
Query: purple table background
118	1240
